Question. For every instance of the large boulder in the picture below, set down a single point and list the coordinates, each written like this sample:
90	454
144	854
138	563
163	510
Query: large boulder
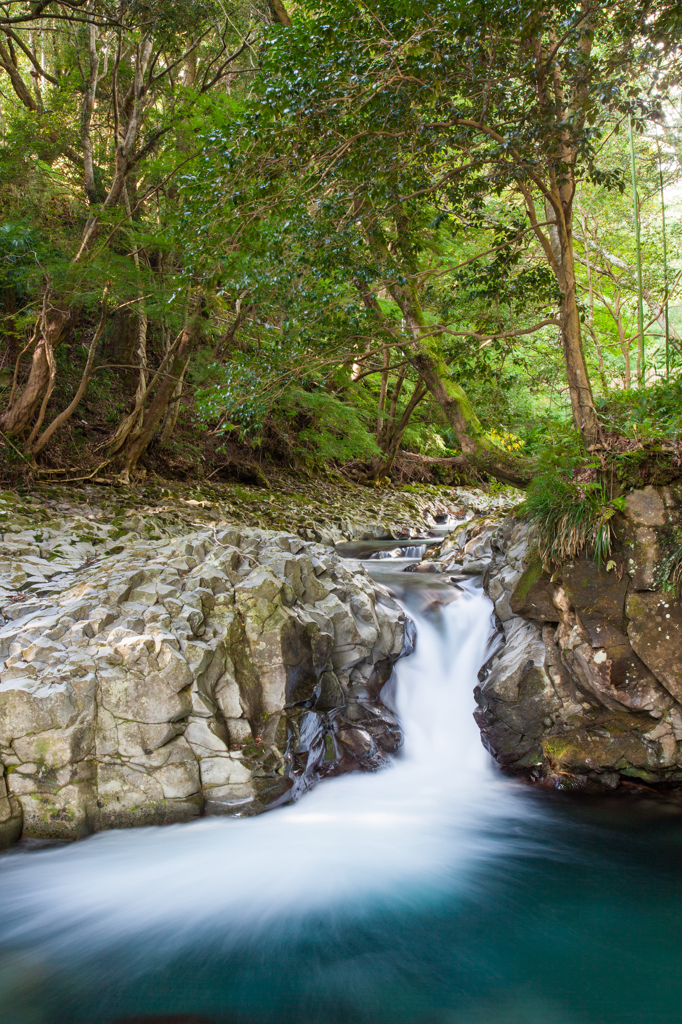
586	683
223	671
534	595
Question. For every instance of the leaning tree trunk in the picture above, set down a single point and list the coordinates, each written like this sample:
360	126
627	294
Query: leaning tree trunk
154	414
56	323
392	441
479	450
480	453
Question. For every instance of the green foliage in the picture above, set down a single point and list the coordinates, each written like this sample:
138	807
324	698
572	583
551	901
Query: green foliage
426	439
570	518
334	430
22	250
333	169
644	413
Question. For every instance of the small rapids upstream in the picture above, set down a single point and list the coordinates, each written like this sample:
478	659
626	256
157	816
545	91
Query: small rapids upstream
435	891
409	551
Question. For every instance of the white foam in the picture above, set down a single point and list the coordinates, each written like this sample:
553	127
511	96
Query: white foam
386	836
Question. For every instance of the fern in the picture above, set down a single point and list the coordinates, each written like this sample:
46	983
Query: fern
336	431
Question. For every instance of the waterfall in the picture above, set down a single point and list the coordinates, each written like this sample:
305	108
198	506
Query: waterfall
414	551
434	891
410	551
355	838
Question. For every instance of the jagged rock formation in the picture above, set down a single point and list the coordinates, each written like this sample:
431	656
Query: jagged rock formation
222	671
586	685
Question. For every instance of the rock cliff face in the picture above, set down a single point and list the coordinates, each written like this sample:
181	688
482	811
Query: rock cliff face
221	672
586	685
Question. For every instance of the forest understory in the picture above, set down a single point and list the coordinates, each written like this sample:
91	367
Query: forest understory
404	244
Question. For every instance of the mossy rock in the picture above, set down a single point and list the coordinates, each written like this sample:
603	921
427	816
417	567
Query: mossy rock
533	593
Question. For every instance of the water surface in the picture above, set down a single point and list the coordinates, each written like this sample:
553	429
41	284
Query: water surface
436	891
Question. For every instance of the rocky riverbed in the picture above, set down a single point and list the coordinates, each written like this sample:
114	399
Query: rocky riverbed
169	654
160	659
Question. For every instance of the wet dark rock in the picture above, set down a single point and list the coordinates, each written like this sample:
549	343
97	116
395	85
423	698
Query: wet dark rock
409	638
533	595
432	567
586	687
655	630
597	596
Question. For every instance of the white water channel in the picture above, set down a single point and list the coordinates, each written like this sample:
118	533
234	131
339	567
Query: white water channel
383	837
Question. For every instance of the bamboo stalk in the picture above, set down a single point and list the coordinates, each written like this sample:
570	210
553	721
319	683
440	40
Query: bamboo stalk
638	250
665	262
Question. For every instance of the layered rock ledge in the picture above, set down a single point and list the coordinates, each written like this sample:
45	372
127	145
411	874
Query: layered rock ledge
221	671
585	687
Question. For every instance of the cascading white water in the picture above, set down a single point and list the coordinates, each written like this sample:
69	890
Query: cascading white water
414	551
381	836
411	551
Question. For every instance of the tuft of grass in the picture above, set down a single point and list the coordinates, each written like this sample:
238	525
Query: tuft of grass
570	518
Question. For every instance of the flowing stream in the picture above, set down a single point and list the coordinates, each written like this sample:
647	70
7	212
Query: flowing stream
436	891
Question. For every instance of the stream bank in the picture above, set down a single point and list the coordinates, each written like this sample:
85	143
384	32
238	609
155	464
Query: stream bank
161	660
585	689
172	653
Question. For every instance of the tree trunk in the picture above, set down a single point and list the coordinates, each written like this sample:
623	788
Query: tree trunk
558	190
622	340
159	404
142	322
590	321
67	413
173	410
558	246
279	13
580	389
563	186
395	395
383	391
55	327
392	441
478	449
422	352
